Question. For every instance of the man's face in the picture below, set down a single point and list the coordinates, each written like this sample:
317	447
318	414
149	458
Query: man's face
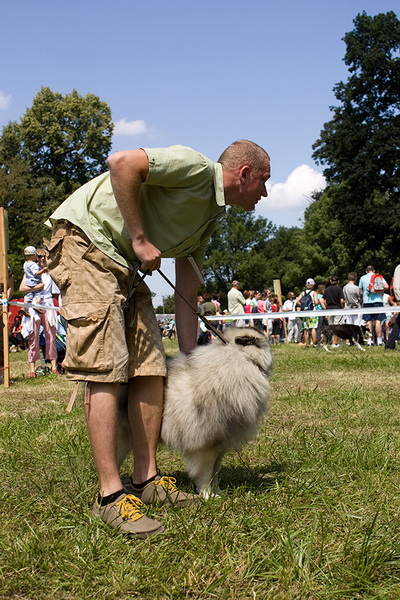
252	185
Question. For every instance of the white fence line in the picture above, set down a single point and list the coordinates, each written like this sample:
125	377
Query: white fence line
373	310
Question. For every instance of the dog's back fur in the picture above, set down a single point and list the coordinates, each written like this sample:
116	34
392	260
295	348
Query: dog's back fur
214	401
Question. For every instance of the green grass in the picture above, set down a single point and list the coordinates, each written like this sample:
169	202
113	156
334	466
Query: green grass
310	511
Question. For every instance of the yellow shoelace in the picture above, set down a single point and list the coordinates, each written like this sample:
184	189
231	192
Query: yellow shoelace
168	484
130	508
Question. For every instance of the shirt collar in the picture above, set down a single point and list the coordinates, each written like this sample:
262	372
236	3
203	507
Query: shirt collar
219	184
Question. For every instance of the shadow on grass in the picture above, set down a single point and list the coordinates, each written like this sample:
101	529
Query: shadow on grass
257	479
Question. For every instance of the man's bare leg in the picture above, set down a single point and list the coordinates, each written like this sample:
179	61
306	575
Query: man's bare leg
378	329
101	418
314	336
146	397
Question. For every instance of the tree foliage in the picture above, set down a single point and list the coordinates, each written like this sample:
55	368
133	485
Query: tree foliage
360	146
167	307
237	251
60	143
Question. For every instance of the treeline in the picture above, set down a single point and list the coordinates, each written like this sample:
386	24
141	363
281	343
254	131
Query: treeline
63	141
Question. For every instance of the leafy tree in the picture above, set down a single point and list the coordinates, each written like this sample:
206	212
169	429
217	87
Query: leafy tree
360	146
167	307
66	138
237	251
60	143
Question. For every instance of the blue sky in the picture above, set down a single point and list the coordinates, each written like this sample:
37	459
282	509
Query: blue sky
199	74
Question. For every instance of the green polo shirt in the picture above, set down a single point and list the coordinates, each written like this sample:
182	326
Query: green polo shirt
180	201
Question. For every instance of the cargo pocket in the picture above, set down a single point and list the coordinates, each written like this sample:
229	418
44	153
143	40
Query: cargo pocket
56	266
89	347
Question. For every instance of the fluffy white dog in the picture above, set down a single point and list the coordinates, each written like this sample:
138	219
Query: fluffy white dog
215	399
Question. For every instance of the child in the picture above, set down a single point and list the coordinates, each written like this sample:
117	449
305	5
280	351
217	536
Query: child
33	274
276	323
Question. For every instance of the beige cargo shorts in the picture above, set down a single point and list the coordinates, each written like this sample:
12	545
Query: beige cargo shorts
108	339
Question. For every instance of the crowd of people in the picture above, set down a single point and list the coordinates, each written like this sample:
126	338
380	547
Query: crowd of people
370	290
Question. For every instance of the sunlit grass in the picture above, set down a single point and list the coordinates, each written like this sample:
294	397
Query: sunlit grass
309	510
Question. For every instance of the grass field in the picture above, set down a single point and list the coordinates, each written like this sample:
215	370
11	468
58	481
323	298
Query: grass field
310	508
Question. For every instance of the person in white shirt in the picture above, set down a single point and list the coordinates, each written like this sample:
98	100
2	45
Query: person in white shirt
236	302
293	326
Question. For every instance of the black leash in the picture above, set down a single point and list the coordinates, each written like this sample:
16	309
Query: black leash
132	290
196	312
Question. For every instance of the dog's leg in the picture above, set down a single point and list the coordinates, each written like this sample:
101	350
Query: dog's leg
358	345
215	479
202	465
326	347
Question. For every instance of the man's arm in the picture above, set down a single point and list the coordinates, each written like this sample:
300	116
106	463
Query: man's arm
128	170
299	297
187	282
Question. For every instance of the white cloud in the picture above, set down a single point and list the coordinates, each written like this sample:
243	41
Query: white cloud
132	128
4	100
286	201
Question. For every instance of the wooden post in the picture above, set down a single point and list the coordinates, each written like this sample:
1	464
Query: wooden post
4	282
278	292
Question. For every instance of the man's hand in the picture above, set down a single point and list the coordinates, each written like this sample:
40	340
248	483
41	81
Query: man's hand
149	255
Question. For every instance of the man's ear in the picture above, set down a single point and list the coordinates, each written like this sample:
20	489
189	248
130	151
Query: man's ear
244	172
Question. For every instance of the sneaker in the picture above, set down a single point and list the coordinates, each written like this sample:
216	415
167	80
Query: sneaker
335	346
125	515
163	491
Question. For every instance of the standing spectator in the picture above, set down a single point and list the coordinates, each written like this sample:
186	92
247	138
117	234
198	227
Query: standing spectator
247	307
236	302
351	293
47	318
387	301
267	322
215	299
208	307
321	305
293	325
276	323
334	299
370	299
394	332
307	300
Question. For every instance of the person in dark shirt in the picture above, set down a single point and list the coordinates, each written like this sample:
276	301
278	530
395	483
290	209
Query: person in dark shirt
334	299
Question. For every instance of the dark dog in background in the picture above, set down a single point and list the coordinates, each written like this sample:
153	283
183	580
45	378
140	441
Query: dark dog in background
215	399
354	333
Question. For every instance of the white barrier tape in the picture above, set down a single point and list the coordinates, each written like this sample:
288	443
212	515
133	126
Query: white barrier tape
308	313
36	306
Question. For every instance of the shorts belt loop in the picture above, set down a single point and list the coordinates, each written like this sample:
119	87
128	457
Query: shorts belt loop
73	397
87	393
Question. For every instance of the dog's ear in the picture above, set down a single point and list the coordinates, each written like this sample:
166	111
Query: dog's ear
245	340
